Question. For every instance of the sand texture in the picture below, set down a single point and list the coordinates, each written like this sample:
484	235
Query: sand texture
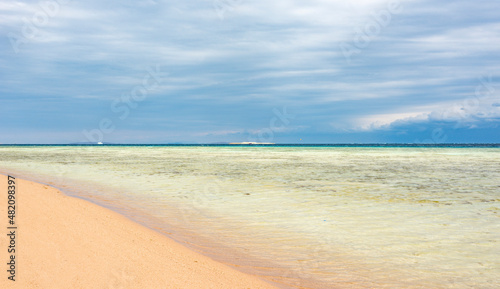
66	242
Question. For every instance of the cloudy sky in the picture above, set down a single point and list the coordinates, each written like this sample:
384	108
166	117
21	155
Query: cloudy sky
284	71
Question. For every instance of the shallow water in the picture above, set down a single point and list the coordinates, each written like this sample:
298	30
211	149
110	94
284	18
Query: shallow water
317	217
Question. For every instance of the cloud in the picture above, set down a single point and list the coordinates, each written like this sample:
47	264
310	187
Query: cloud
470	112
228	74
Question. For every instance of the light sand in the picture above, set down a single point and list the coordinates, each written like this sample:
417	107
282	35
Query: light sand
66	242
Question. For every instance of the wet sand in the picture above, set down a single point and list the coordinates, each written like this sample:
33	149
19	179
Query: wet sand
66	242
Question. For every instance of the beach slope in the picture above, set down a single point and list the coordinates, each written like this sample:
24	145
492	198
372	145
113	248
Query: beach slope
66	242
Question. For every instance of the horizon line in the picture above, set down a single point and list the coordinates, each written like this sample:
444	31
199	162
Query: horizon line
239	144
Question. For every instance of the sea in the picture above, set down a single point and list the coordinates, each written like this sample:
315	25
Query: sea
301	216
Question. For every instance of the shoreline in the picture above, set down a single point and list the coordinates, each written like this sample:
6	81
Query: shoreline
63	241
365	219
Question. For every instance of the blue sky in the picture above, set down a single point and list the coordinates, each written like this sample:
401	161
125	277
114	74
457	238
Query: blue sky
238	70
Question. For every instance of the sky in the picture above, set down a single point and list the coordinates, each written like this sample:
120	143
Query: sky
283	71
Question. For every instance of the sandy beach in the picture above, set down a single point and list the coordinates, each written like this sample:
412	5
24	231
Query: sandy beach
66	242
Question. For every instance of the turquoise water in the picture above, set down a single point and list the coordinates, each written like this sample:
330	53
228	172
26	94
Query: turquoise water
305	217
